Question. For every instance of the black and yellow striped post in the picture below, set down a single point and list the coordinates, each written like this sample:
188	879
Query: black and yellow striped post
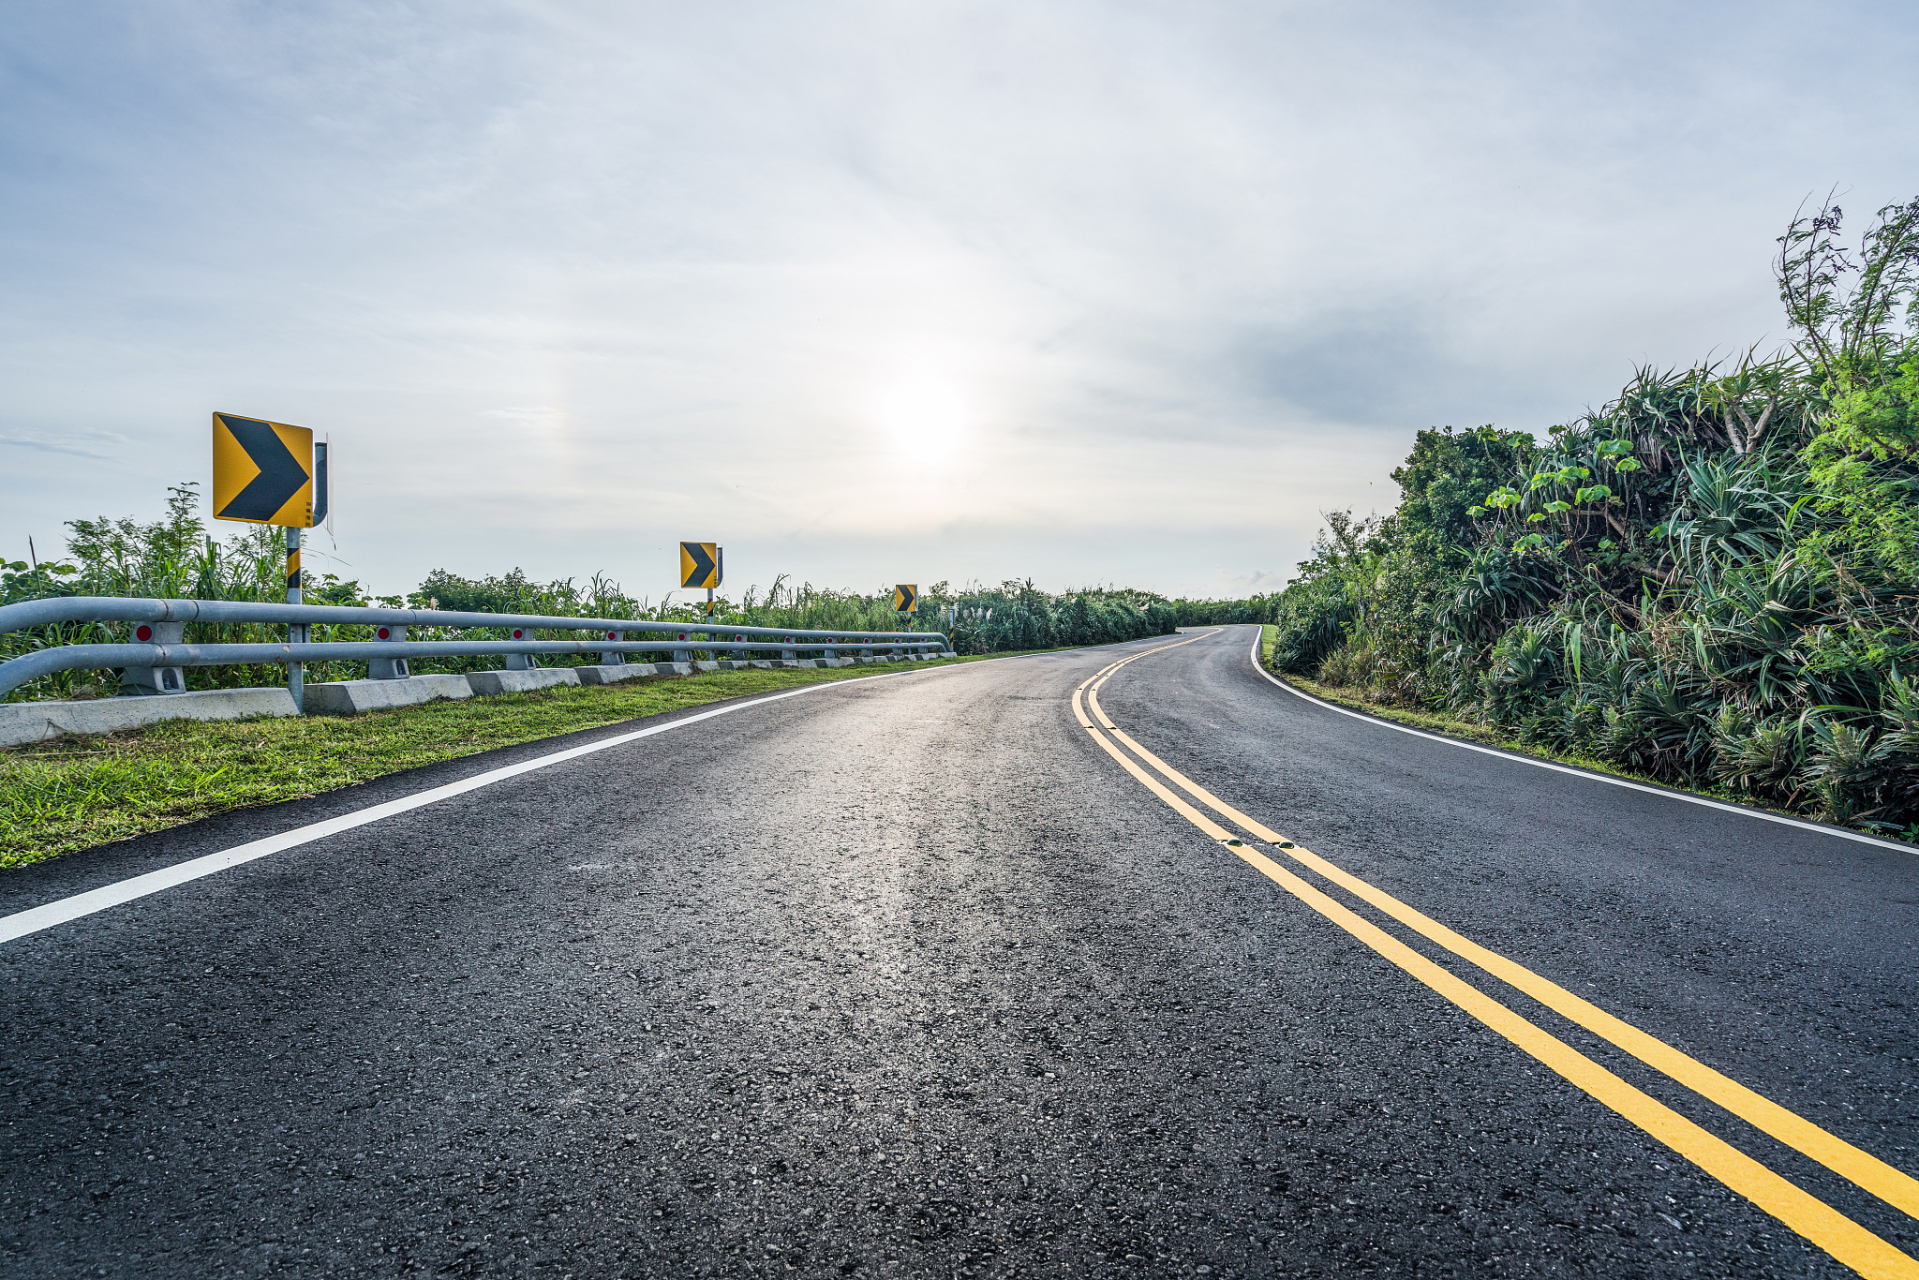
296	631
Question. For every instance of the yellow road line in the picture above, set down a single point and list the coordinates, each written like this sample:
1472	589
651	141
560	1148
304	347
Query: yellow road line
1811	1217
1114	666
1158	788
1860	1168
1807	1215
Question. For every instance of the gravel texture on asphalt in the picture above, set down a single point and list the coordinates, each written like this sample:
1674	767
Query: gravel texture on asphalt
908	978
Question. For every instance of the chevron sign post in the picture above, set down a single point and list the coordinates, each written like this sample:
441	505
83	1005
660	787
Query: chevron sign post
263	473
906	598
702	564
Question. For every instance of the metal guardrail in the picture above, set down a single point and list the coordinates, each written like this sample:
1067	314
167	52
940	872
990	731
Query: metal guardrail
163	620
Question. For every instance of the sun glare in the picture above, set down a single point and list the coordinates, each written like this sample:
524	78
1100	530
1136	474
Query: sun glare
922	416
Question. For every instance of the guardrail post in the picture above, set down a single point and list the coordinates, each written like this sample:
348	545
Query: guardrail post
789	653
522	661
683	655
612	658
830	654
143	681
388	668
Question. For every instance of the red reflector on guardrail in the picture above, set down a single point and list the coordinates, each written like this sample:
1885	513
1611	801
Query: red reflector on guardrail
385	633
143	632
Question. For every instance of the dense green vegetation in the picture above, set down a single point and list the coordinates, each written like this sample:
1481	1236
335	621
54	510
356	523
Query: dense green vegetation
1713	579
1012	616
175	557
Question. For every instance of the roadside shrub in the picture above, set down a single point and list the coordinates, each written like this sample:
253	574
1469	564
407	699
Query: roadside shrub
1350	665
1757	756
1713	578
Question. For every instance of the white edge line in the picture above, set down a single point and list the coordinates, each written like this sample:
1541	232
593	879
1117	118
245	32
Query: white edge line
1741	810
34	919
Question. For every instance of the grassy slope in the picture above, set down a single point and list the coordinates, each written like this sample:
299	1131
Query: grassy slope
73	793
1471	731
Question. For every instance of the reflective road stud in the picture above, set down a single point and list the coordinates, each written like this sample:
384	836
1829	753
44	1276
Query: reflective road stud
522	661
388	668
150	680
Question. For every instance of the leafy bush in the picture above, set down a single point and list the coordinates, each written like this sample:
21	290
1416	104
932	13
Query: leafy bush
1713	578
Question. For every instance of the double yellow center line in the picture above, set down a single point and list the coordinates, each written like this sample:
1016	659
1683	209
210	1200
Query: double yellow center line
1811	1217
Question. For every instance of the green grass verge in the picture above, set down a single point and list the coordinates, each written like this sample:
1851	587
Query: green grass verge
76	792
1471	731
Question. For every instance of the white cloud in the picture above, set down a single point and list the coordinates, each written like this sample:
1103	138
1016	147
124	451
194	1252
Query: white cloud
99	445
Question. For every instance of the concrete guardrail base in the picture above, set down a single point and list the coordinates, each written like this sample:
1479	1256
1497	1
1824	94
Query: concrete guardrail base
489	683
614	675
351	697
37	721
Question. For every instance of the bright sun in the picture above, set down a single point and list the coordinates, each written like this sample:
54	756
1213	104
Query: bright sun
922	415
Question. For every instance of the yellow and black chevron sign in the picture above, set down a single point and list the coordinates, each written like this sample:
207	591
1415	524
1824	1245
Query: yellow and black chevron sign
262	471
906	598
699	564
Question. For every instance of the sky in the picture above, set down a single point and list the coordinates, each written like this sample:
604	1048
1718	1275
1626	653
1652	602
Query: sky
1091	293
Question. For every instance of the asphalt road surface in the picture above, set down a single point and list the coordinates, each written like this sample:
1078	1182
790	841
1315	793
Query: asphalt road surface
914	977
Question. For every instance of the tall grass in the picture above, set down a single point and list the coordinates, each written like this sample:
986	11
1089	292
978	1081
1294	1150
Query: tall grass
172	557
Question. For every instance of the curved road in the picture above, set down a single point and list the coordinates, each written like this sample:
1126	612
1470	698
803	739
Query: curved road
937	975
